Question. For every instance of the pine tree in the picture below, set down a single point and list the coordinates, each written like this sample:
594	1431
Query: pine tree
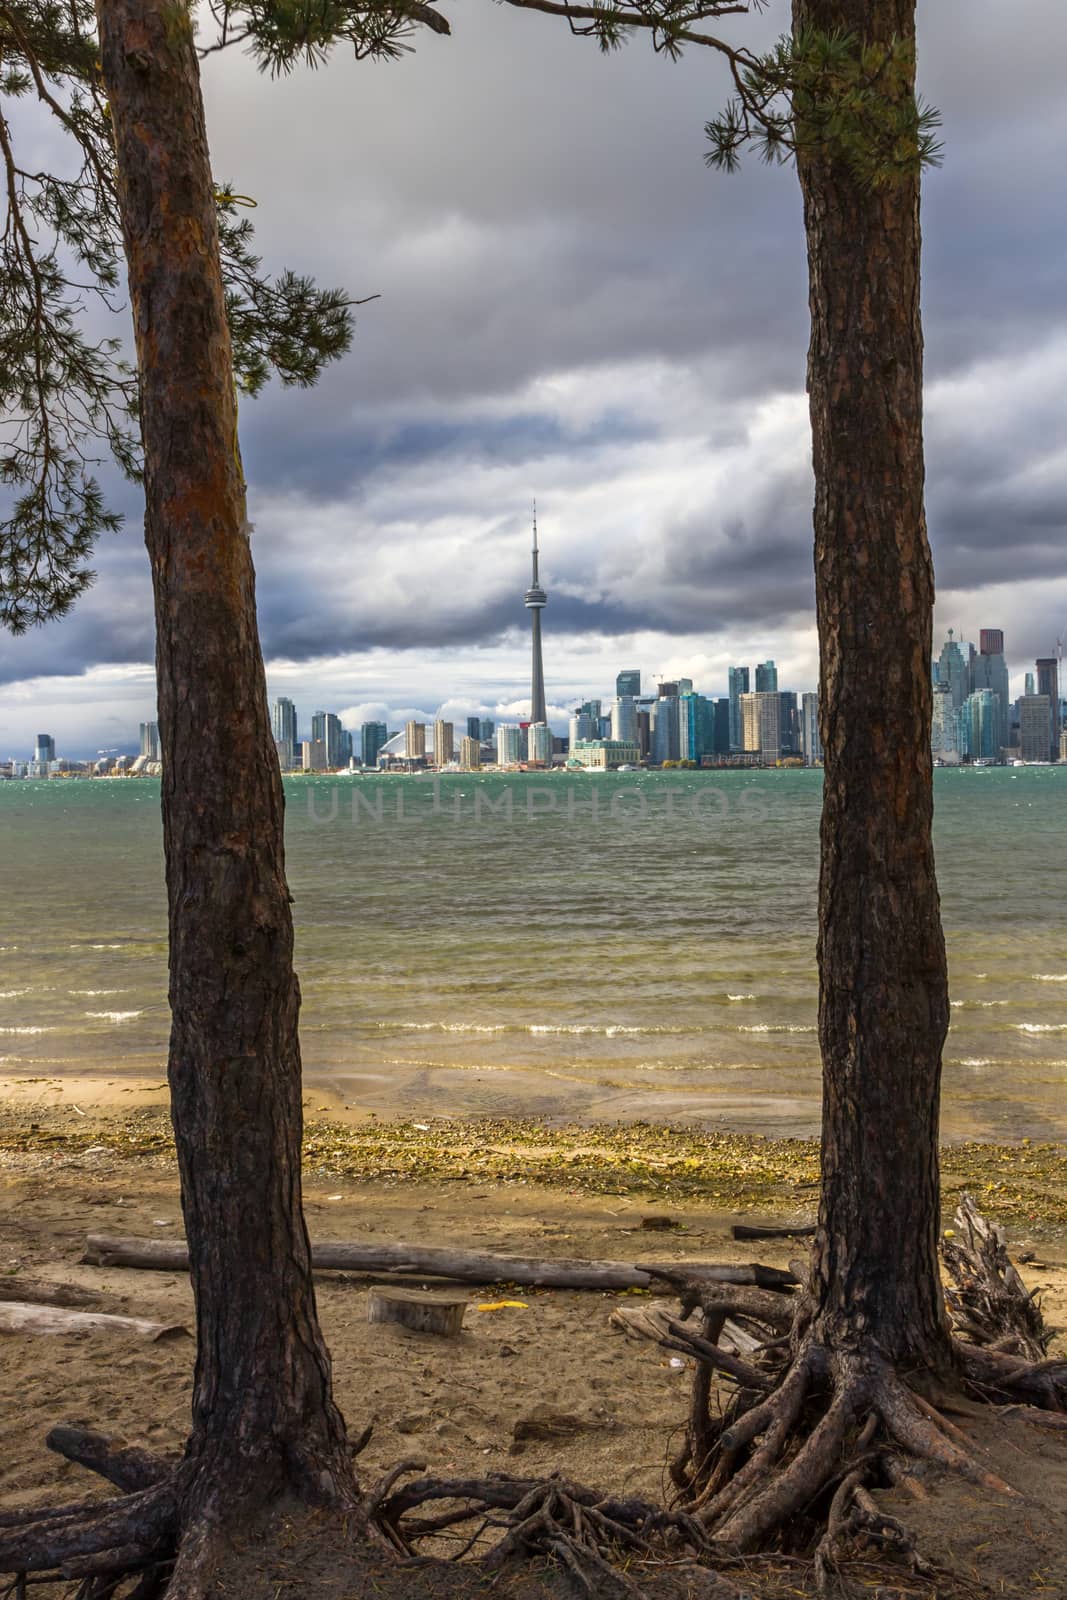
124	86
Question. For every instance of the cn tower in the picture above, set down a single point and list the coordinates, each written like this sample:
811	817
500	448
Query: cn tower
536	600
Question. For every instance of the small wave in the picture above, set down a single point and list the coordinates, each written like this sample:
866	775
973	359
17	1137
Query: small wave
740	997
973	1061
977	1005
12	994
6	949
105	947
777	1027
1041	1027
93	994
1050	977
27	1030
115	1016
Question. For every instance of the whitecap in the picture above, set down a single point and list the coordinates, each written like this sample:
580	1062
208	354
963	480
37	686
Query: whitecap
114	1016
1050	977
1041	1027
740	997
776	1027
93	994
12	994
27	1030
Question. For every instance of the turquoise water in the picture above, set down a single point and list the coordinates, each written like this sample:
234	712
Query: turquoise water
620	945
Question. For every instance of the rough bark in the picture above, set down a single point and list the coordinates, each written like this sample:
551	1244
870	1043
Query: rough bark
883	1001
263	1415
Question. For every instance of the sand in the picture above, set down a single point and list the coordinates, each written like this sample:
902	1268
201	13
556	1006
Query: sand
454	1404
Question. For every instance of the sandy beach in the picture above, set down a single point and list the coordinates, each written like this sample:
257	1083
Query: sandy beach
89	1155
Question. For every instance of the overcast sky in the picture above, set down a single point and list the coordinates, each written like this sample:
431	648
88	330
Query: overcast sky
574	308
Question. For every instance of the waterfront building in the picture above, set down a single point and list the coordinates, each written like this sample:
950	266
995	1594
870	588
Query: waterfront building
605	753
696	727
326	727
624	718
150	741
474	728
789	722
946	734
1048	683
982	714
721	743
283	724
663	728
372	736
644	733
470	754
44	752
766	678
313	755
761	724
737	682
810	738
582	727
1033	727
444	735
508	745
628	683
535	601
415	741
487	731
539	744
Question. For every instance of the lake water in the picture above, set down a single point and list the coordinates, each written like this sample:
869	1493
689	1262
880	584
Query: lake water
611	945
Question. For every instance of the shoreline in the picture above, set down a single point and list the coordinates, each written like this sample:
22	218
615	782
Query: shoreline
103	1124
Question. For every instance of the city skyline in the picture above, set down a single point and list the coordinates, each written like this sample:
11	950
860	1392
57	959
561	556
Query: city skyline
664	425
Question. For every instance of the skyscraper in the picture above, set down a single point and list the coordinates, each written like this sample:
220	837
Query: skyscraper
443	741
982	709
474	728
45	750
624	719
283	722
1048	683
664	727
766	678
810	739
989	670
470	753
761	724
1028	687
953	670
150	741
508	745
371	738
415	741
539	744
628	683
737	678
536	600
1033	727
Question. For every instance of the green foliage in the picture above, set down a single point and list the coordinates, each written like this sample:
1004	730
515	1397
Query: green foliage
829	94
68	399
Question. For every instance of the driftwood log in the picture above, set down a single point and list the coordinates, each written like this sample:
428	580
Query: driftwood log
418	1310
35	1291
744	1230
463	1266
18	1317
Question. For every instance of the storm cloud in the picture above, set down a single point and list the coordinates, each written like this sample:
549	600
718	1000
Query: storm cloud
573	308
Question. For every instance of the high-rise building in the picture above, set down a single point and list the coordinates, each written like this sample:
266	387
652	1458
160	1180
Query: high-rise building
45	749
766	678
624	718
696	727
283	723
737	679
664	727
372	736
150	741
488	729
313	755
761	724
474	728
1029	684
332	735
415	741
954	670
949	729
810	737
1048	683
644	734
539	744
789	719
1033	727
582	728
989	670
628	683
443	740
536	600
470	754
722	726
982	711
508	744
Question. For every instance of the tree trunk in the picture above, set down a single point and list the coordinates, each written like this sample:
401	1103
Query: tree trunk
263	1414
883	998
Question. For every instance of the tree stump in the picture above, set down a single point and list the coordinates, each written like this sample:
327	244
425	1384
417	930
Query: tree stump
419	1310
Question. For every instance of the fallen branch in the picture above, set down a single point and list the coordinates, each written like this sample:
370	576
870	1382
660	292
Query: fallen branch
35	1291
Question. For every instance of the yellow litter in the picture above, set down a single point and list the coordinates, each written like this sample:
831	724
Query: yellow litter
503	1305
